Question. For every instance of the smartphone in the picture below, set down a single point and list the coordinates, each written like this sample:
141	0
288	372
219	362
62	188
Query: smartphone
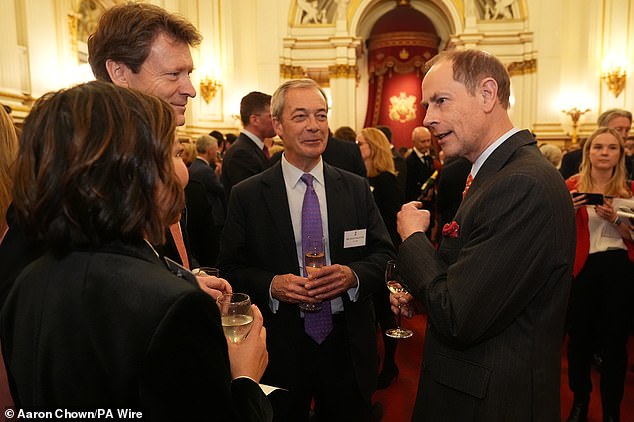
591	198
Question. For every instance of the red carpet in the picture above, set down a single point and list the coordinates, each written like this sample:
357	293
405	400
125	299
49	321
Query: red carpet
398	399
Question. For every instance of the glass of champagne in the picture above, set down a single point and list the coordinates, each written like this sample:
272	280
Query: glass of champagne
315	258
206	271
236	315
394	285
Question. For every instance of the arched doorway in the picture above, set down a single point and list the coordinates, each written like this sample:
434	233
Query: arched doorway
400	43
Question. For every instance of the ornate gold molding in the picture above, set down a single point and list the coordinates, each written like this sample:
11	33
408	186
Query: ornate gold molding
292	72
343	71
522	68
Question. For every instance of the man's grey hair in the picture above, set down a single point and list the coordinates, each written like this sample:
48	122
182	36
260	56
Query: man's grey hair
279	96
204	142
605	117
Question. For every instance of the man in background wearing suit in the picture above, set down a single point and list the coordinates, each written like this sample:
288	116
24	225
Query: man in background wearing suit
496	291
207	212
248	155
261	253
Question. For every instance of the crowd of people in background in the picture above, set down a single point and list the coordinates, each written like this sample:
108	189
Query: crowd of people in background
102	218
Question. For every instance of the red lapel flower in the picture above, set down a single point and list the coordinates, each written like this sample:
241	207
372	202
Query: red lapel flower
451	230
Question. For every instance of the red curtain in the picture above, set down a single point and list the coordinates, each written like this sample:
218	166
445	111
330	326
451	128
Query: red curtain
402	41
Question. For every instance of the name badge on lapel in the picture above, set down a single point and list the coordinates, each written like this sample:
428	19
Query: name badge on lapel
354	238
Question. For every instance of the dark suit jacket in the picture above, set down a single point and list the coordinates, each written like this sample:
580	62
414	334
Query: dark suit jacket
242	160
345	155
570	163
401	169
203	234
496	294
202	172
258	243
451	183
389	198
417	173
112	328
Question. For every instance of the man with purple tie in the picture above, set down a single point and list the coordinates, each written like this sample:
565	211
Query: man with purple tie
329	355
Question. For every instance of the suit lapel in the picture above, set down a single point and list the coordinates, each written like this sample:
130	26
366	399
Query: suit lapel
275	199
500	157
255	148
335	198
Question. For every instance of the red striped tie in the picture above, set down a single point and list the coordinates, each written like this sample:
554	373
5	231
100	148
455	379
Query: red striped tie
467	185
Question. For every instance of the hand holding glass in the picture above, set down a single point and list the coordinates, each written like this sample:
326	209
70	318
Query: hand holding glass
236	314
394	285
315	258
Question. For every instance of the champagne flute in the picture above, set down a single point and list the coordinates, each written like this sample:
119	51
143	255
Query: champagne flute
394	285
314	258
236	315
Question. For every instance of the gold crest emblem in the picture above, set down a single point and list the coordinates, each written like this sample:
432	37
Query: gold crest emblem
402	108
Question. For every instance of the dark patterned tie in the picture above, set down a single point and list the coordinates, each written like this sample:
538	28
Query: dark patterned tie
317	324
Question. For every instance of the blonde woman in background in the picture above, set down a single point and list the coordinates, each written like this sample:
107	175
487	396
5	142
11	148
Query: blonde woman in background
379	164
602	288
8	152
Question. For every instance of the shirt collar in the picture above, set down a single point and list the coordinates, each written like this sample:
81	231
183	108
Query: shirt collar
254	138
420	154
294	174
487	152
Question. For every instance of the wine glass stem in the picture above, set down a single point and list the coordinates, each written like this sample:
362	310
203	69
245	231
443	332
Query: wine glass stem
398	320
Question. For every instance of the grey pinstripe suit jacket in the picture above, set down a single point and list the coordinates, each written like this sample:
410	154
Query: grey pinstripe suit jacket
496	295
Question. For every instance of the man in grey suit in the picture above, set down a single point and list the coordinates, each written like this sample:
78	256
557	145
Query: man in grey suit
496	291
261	253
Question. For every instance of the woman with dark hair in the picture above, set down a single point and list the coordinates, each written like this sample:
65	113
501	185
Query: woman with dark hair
602	288
98	322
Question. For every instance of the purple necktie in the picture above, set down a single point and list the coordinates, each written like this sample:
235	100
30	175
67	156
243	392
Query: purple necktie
317	324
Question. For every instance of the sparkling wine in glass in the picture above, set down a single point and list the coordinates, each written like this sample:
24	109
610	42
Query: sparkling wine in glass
394	285
236	315
314	258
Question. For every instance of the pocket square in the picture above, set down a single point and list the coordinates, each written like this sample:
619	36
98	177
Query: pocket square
451	230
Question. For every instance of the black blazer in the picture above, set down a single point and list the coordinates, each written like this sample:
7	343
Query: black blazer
258	242
203	173
417	173
570	163
112	328
345	155
496	293
451	183
242	160
389	198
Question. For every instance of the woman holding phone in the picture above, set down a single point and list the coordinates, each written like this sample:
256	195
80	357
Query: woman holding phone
602	286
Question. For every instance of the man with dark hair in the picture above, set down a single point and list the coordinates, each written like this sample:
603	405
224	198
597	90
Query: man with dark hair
496	290
248	155
139	46
145	47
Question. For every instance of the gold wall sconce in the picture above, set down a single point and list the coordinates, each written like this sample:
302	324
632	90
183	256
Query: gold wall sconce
209	88
615	79
575	114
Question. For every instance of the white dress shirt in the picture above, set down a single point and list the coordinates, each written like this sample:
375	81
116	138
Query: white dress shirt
295	190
